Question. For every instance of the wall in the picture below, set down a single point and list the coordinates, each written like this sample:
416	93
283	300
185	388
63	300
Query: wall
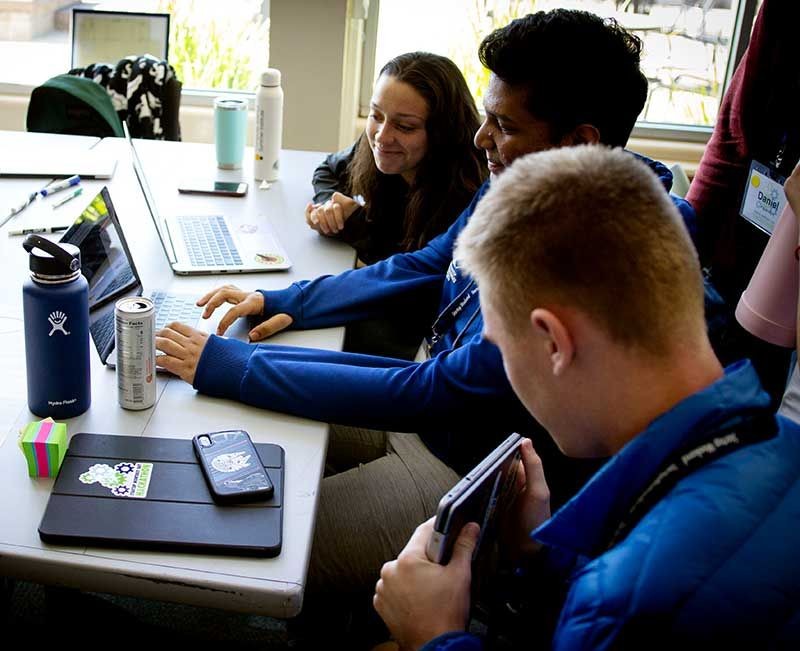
13	108
22	20
307	44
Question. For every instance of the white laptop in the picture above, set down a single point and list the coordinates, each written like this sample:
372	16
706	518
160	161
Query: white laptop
210	244
44	161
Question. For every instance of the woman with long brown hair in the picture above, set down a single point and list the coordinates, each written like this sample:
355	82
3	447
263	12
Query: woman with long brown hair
412	171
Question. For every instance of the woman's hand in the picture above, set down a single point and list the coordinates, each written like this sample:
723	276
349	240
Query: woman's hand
328	218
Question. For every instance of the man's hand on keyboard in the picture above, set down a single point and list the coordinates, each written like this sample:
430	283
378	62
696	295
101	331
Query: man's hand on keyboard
182	347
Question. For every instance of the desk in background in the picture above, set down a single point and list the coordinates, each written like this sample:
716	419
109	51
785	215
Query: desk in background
266	586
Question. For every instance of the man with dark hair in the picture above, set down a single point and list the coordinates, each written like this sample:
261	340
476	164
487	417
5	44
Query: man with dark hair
456	399
688	536
606	91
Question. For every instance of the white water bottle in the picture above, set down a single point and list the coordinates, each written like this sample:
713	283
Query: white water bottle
269	125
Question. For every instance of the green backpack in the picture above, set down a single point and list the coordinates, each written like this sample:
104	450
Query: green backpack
75	106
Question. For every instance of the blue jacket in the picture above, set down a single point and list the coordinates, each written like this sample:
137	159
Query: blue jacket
716	560
459	401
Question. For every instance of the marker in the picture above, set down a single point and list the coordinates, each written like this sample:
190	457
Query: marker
60	185
69	197
16	210
37	229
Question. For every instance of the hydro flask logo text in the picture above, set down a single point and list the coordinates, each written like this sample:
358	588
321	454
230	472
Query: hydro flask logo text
57	320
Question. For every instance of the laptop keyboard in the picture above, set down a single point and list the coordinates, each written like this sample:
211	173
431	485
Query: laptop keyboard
169	307
102	331
209	242
123	278
174	307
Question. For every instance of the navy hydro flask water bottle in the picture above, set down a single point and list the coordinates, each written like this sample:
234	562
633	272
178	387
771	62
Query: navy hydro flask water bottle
55	302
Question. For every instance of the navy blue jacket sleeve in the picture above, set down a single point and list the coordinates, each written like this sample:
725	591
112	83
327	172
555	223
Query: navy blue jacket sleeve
362	293
461	388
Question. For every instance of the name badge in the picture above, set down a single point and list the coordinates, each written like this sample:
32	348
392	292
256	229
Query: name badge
763	197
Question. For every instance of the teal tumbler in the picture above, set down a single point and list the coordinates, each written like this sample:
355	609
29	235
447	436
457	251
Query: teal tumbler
230	131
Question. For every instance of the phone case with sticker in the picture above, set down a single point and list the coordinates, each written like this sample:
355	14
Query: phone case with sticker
231	466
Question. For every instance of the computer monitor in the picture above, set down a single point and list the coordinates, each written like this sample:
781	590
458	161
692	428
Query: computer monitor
108	36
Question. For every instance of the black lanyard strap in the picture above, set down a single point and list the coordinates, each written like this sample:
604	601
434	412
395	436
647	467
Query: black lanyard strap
777	162
757	428
448	316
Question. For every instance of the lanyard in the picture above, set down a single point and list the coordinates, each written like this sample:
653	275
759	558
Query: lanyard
757	428
448	316
777	162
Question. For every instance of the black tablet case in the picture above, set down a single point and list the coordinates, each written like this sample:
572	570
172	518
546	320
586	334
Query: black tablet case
178	512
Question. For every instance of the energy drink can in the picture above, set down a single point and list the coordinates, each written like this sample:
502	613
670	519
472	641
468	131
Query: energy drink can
135	331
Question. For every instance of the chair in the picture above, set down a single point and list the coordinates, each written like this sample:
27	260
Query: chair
144	91
72	105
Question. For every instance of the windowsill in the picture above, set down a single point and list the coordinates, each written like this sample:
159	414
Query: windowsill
15	89
192	97
686	154
189	97
665	143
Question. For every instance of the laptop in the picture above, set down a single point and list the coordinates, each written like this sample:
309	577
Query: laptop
107	264
42	161
210	244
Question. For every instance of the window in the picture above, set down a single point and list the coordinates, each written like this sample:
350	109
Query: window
687	45
212	44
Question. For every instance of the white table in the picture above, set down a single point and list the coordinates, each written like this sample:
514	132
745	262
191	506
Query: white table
266	586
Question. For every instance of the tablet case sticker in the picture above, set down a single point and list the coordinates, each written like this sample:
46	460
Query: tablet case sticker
126	479
231	462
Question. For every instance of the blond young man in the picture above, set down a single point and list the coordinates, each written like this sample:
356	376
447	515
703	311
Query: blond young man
591	289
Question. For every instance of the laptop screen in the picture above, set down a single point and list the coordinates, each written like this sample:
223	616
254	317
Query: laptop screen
105	259
149	199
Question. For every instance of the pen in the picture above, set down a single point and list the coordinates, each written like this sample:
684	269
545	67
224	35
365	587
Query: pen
18	209
36	229
69	197
60	185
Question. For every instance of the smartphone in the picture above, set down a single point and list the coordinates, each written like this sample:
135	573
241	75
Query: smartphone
232	468
480	497
223	188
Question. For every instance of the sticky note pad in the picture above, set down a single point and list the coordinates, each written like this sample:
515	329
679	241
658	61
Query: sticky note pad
44	444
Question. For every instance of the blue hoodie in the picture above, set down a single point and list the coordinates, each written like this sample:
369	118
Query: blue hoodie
459	400
712	565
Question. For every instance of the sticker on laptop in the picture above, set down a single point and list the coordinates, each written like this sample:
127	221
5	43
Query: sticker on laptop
269	258
126	479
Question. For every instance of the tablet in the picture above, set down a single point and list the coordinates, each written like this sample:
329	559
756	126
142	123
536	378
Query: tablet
137	492
476	498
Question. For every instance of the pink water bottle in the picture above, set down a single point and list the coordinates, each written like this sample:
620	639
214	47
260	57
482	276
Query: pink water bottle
768	307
